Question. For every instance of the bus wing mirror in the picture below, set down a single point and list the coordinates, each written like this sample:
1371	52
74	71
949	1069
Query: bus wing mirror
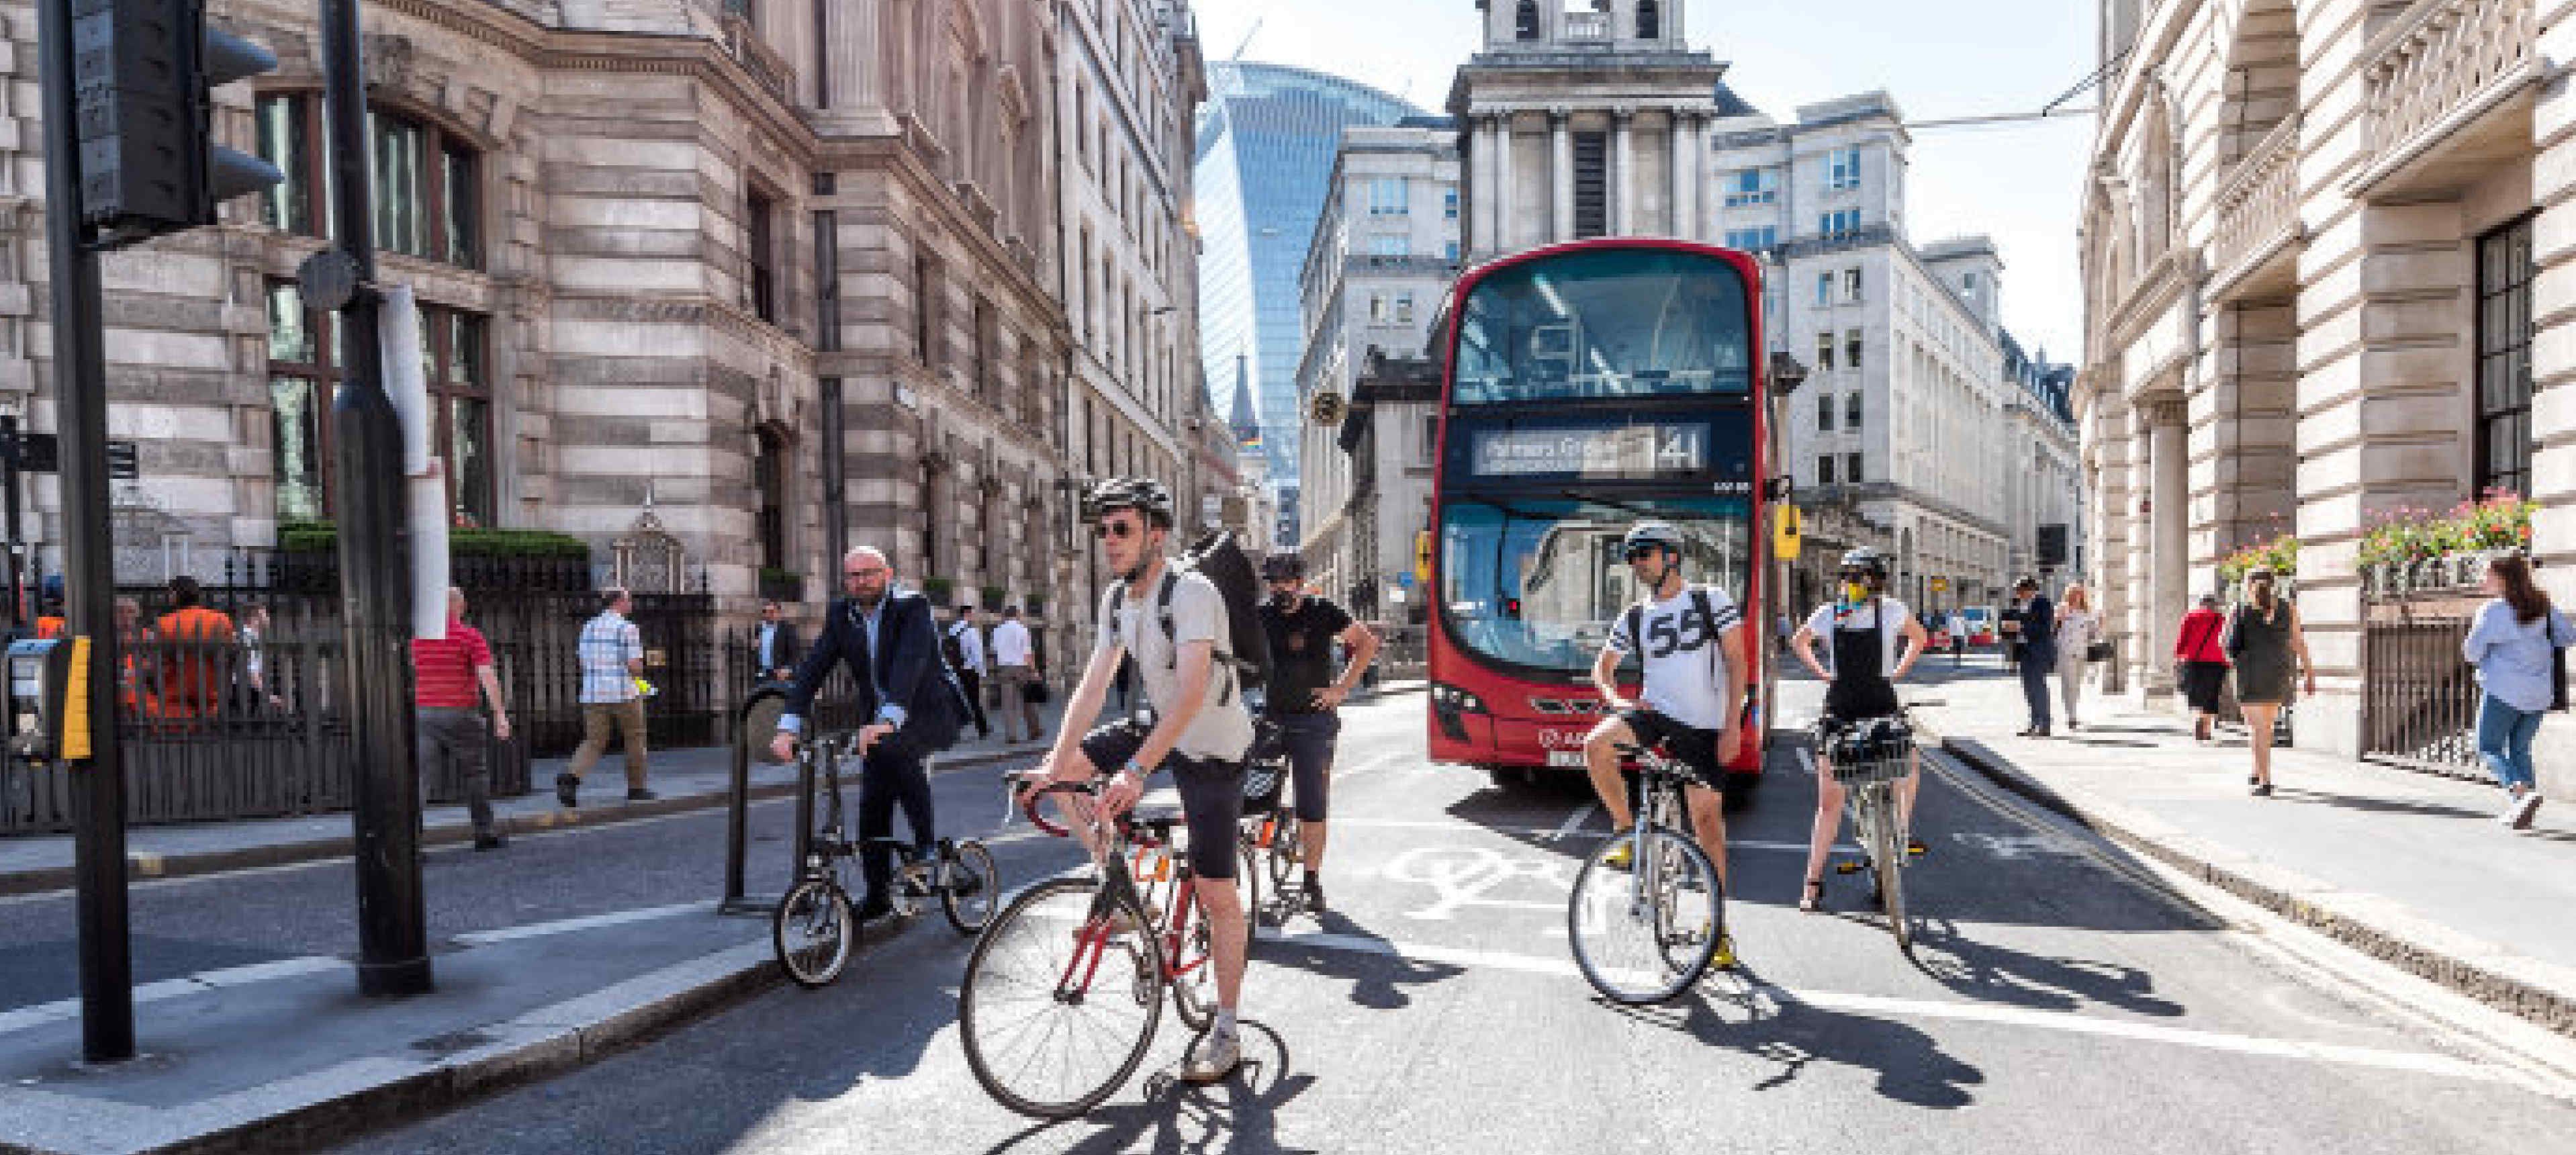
1779	488
1786	374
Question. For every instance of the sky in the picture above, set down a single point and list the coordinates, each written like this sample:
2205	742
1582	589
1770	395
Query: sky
2017	183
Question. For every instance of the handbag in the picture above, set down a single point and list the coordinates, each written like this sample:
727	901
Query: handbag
1034	693
2097	652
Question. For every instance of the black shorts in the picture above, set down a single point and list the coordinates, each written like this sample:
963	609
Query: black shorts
1309	738
1211	792
1691	749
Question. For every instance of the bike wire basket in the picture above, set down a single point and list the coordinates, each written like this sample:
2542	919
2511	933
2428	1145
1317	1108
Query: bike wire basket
1265	770
1870	752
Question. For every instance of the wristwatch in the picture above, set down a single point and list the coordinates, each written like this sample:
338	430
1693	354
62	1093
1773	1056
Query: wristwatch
1138	770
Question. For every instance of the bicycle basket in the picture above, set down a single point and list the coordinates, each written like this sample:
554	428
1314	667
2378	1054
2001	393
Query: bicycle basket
1872	751
1265	769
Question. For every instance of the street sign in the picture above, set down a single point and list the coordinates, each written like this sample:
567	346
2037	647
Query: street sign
1422	557
122	464
1940	585
1788	534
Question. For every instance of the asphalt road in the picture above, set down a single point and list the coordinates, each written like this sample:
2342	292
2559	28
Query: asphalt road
2057	1002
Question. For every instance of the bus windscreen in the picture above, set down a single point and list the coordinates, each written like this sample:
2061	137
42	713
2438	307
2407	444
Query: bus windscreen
1604	325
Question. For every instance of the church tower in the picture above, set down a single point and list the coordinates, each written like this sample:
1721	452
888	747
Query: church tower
1585	118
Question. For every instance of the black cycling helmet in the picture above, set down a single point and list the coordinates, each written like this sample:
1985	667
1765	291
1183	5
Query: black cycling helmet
1867	561
1283	566
1142	494
1659	534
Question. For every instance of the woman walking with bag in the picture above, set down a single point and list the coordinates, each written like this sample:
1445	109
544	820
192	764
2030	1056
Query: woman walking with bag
2514	642
2201	665
2269	648
2078	627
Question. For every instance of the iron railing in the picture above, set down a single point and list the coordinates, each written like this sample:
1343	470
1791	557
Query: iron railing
2419	696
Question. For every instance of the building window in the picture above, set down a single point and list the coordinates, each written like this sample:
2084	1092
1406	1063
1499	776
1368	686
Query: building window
984	340
1824	350
1851	285
1450	250
1391	246
1591	184
425	182
1525	21
1851	408
1404	307
1851	355
1851	468
1968	282
1430	443
1838	223
1753	240
453	350
1824	412
925	310
302	372
1387	197
286	136
1377	308
759	249
1825	469
1824	289
769	484
1650	20
827	280
1449	205
1753	186
2503	451
1842	169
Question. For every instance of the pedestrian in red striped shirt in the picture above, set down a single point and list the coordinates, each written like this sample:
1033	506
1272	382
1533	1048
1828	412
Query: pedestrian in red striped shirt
444	675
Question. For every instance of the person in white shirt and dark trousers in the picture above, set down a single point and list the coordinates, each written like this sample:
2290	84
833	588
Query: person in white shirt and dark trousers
774	646
1015	664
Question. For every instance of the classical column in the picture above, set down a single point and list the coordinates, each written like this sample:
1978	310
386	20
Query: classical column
2168	534
1560	174
1488	192
1683	206
1622	206
1506	187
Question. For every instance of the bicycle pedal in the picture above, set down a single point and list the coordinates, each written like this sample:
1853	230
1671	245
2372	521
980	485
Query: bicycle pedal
1850	867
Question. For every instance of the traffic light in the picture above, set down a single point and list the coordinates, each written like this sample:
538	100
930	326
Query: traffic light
143	74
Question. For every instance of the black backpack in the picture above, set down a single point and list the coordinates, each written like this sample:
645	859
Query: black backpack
1221	560
951	650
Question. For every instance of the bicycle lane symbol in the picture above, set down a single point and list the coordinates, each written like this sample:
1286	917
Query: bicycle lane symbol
1464	876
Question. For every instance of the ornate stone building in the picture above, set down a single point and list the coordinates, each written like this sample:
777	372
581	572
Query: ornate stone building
781	276
2325	247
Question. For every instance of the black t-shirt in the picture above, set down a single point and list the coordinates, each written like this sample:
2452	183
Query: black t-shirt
1301	651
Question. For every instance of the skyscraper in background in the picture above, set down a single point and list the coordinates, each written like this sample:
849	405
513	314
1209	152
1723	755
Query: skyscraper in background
1266	140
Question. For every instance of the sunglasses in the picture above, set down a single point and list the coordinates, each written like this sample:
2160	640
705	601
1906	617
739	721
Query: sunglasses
865	573
1109	529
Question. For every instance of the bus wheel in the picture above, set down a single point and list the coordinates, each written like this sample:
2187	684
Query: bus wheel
1504	777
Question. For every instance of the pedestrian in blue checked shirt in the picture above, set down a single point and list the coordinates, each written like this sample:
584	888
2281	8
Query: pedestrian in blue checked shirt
612	665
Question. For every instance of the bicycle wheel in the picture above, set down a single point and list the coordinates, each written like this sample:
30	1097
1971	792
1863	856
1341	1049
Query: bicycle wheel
813	932
1887	867
1285	850
973	885
1626	924
1058	1006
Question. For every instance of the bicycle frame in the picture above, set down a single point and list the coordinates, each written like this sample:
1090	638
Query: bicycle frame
1122	845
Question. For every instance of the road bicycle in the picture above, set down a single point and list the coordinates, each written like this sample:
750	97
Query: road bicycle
1645	931
1064	992
1868	759
815	928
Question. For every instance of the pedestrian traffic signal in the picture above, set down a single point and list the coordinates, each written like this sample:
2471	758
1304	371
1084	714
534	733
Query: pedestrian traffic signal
143	74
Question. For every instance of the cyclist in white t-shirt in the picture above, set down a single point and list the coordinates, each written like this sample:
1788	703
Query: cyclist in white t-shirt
1690	640
1874	641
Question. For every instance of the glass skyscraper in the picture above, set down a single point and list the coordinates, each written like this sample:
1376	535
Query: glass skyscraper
1266	140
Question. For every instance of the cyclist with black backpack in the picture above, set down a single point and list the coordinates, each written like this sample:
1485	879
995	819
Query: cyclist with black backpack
1306	694
1690	640
1177	624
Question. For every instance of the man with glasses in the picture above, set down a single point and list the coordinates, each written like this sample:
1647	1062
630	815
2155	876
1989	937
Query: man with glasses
1196	724
1690	641
886	637
1306	694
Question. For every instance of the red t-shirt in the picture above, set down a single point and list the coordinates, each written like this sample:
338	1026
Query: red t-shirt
443	671
2200	637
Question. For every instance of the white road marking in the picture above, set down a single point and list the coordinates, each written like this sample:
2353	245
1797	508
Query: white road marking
1573	821
586	922
1542	832
2414	1062
1463	875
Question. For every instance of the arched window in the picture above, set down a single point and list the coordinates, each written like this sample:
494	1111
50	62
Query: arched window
426	180
1525	20
1650	20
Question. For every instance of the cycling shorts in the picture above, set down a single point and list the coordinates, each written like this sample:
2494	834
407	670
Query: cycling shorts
1309	738
1690	749
1211	792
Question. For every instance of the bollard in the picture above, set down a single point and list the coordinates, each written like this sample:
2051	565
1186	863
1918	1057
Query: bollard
738	804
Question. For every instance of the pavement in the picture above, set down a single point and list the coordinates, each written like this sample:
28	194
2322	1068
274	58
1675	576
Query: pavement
2407	867
595	929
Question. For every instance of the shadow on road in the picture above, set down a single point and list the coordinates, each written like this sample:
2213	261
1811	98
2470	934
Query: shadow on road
1764	1022
1998	974
1379	981
1238	1115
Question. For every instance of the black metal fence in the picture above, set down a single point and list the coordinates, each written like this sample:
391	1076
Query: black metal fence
2419	697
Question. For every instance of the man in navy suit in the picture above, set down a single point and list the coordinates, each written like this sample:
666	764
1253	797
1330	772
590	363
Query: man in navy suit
886	638
2037	618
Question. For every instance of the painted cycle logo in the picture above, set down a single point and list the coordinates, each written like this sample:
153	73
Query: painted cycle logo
1467	876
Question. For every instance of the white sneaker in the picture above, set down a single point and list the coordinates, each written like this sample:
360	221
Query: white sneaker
2524	809
1215	1056
2512	807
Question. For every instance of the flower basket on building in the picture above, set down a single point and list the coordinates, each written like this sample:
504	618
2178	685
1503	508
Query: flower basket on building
993	598
938	590
786	587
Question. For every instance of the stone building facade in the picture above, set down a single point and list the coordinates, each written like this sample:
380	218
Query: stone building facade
1384	254
2325	247
774	278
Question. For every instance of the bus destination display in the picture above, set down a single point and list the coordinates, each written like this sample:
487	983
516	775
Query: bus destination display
1626	452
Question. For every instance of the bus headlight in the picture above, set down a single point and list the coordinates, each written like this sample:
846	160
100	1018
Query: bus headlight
1453	700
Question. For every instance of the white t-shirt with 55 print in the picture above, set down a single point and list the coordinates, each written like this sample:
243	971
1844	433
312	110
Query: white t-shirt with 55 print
1685	669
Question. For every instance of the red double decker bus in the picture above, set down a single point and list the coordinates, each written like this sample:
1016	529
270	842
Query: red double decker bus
1586	387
